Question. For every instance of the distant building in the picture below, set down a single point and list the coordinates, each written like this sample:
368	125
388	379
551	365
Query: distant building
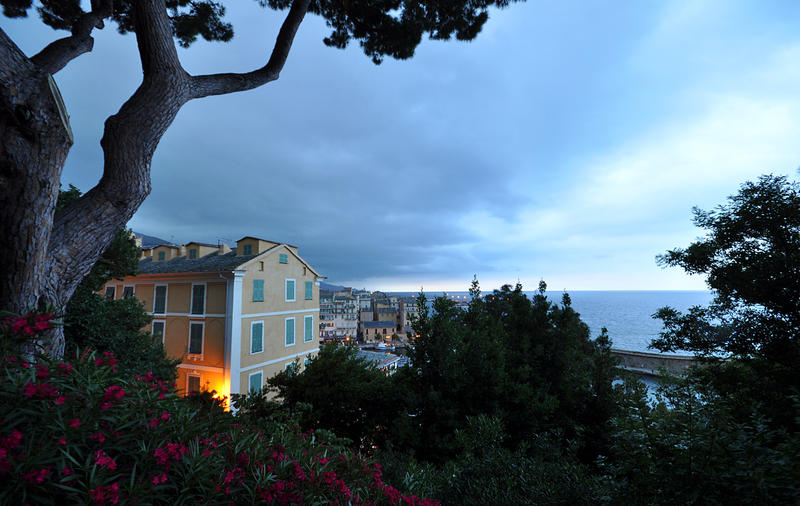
338	317
233	317
377	331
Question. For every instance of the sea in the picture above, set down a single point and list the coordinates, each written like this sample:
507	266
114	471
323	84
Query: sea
626	314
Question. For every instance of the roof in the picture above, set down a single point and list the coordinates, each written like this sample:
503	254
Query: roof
202	244
149	241
213	262
265	240
379	358
378	325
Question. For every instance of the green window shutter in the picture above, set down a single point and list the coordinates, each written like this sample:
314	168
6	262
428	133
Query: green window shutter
198	299
257	337
161	256
283	258
308	328
160	302
289	331
258	290
255	382
192	254
248	249
196	339
290	290
309	290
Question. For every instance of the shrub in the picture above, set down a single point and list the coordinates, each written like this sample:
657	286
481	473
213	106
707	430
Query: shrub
77	431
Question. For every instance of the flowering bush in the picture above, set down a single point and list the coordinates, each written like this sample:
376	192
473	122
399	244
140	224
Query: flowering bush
77	431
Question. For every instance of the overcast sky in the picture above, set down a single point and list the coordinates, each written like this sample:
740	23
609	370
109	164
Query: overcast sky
568	142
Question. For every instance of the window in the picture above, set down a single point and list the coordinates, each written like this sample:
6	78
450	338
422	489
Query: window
308	328
309	290
255	381
283	258
256	337
158	329
162	255
196	338
193	383
192	254
258	290
127	292
290	290
248	249
306	361
110	292
198	299
289	332
290	366
160	300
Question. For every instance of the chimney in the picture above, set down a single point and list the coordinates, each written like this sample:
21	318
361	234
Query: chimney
224	248
182	251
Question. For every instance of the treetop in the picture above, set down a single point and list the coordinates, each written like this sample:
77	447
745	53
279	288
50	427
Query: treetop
382	27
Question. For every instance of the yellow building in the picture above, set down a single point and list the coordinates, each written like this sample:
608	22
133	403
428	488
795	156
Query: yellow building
233	317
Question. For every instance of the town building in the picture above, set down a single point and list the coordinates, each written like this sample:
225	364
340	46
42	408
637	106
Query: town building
338	316
234	318
377	331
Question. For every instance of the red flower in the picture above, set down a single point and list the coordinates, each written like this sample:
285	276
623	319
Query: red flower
103	460
60	400
29	390
37	477
42	372
75	422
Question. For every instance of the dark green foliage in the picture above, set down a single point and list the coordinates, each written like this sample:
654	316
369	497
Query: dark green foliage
382	27
728	432
346	395
92	321
751	257
190	18
528	362
484	471
698	446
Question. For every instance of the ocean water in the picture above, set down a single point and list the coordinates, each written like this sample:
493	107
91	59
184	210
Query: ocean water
626	314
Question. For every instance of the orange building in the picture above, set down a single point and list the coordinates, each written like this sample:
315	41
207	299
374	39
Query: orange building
234	318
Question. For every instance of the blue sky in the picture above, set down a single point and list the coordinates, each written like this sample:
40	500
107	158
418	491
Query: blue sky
568	142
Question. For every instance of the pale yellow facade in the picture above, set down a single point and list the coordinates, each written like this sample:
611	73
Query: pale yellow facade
233	328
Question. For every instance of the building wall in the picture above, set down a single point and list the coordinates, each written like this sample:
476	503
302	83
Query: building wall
177	319
273	313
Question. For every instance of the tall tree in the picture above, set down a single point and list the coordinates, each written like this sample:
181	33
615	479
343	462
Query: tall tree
45	253
751	257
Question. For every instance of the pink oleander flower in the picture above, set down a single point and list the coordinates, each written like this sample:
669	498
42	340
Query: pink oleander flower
75	422
37	477
103	460
29	390
60	400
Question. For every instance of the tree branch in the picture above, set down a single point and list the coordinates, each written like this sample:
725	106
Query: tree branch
58	53
220	84
154	38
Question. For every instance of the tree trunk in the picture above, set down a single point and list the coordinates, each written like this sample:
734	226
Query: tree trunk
34	147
